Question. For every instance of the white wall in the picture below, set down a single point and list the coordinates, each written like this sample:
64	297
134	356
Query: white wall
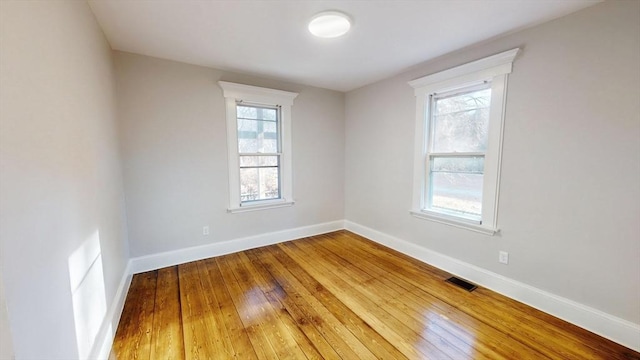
570	195
62	226
6	344
175	156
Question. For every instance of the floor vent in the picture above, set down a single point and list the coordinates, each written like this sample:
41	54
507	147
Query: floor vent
462	283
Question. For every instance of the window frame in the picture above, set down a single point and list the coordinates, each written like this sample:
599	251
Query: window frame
234	95
494	69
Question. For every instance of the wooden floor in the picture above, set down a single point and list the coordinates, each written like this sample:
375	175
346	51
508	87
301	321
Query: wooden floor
334	296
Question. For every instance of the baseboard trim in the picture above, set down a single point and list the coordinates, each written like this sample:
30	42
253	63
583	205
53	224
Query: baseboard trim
181	256
104	340
611	327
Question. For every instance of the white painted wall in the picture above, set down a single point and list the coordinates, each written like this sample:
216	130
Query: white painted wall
570	194
6	343
175	156
61	195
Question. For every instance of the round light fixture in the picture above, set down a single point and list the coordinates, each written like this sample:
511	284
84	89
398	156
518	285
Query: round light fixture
329	24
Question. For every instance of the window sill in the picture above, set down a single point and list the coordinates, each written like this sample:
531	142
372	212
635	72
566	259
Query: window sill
443	219
262	206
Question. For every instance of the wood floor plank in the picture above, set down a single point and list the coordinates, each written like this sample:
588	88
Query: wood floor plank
219	329
292	300
368	282
317	306
390	328
264	313
434	342
334	296
272	292
255	312
167	342
254	332
484	338
133	337
203	336
237	335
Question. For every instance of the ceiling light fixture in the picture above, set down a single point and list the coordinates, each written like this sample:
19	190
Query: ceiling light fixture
329	24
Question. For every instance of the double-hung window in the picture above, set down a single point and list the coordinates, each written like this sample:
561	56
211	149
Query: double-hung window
259	146
458	148
259	152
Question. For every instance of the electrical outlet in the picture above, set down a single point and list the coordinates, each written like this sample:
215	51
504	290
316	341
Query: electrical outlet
205	230
503	257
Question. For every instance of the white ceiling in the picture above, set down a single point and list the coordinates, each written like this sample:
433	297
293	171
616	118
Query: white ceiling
270	38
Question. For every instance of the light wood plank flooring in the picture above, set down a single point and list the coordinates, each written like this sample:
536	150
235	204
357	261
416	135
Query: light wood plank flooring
334	296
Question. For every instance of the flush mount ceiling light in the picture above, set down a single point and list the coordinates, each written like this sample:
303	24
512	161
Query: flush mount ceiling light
329	24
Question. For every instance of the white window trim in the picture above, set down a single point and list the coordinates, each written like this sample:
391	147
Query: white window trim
494	69
234	93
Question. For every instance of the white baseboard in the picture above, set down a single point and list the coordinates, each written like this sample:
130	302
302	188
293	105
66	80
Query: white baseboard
181	256
104	340
613	328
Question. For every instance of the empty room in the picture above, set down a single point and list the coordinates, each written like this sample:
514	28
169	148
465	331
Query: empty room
266	179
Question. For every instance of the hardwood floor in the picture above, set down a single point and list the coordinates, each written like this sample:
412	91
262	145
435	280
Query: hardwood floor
334	296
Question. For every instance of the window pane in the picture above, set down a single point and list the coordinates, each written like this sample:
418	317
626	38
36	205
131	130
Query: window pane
269	114
257	136
246	112
457	192
464	101
256	113
456	183
472	164
247	146
259	184
253	161
245	125
460	122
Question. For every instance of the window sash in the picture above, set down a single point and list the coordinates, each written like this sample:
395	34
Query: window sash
433	98
244	198
266	135
429	190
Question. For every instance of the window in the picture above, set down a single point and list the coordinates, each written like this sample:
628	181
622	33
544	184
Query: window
458	148
456	151
259	146
259	152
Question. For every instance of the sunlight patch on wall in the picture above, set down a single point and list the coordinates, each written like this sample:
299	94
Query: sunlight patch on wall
88	293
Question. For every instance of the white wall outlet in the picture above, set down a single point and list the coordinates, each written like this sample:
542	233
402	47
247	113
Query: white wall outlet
205	230
503	257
